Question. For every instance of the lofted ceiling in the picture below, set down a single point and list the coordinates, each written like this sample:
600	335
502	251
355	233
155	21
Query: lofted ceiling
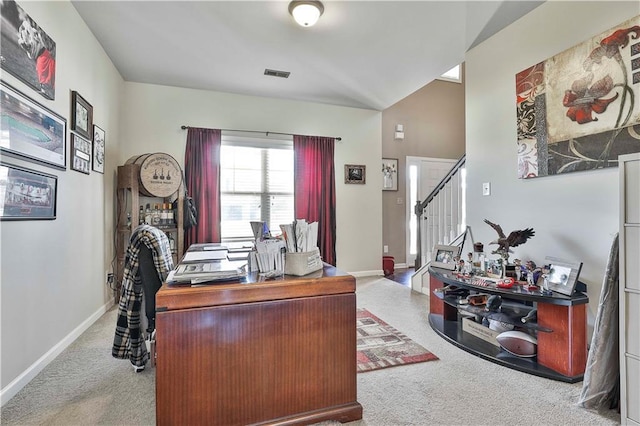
363	54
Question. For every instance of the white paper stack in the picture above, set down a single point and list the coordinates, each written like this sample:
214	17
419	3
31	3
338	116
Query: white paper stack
300	236
270	257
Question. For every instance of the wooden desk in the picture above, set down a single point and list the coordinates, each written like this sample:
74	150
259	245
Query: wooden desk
274	352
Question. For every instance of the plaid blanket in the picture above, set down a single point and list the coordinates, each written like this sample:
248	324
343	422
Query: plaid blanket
129	339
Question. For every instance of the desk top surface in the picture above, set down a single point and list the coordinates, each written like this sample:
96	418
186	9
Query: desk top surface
254	288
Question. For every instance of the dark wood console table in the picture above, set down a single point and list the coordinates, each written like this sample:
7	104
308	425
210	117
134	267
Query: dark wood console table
281	351
562	346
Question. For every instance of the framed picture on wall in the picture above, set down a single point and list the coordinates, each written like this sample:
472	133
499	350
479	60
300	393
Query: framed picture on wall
98	149
80	154
30	131
28	53
354	173
26	194
81	116
389	174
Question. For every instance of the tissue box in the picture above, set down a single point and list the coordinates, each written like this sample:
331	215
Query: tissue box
302	263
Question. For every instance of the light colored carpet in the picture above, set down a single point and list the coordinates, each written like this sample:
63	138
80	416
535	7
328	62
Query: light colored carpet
86	386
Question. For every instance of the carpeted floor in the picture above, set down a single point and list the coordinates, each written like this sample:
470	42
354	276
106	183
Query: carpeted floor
86	386
381	346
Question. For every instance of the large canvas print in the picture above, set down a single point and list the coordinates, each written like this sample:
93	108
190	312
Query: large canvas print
26	51
580	109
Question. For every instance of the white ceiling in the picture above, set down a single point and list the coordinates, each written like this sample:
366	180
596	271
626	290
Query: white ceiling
364	54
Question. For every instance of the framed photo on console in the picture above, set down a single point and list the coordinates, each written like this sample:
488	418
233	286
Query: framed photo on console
445	256
563	274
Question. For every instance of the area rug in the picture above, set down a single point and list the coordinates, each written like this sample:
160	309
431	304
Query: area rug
382	346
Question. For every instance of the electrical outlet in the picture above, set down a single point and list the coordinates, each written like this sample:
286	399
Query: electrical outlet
385	249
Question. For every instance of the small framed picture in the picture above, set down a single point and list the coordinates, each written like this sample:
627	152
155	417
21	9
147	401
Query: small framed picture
81	116
445	256
355	174
98	149
80	154
26	194
389	174
560	275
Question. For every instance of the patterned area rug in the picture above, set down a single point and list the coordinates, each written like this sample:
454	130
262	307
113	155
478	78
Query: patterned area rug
381	346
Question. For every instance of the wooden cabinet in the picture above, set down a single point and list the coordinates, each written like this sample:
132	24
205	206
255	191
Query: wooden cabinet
280	351
629	303
129	198
561	328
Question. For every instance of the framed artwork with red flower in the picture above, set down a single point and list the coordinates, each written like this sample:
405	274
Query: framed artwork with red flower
580	109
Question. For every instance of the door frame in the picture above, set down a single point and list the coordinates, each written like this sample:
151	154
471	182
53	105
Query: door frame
416	161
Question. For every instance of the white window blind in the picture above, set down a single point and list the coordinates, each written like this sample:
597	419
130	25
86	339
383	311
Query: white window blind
256	184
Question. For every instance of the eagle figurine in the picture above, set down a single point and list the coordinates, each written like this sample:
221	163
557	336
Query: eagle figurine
514	239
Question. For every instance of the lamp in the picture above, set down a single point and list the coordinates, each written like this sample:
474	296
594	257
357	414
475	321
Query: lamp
306	12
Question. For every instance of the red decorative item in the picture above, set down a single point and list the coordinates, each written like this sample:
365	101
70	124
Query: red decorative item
506	283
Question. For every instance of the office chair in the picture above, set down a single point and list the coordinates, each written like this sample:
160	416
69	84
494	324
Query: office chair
147	264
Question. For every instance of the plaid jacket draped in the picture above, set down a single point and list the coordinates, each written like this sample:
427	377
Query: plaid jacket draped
129	339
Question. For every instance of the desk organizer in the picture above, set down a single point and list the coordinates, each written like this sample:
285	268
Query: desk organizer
302	263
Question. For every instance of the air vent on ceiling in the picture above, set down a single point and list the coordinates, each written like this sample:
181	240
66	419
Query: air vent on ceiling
276	73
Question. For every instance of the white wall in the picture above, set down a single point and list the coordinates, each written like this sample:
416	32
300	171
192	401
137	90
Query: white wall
52	279
575	216
151	120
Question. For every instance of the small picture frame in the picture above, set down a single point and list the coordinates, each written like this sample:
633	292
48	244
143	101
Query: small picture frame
26	194
562	275
354	173
81	116
389	174
98	149
445	256
80	154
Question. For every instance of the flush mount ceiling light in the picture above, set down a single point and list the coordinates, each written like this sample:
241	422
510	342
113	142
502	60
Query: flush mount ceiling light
306	12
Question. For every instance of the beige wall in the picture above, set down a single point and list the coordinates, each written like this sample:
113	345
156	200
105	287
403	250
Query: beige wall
434	125
151	120
575	215
52	278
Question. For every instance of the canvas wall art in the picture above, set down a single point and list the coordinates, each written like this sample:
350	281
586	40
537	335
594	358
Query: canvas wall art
580	109
26	50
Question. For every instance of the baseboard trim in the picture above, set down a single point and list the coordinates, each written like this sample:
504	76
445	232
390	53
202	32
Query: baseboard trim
23	379
377	272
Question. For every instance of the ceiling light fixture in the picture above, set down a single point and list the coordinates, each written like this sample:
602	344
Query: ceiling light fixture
306	12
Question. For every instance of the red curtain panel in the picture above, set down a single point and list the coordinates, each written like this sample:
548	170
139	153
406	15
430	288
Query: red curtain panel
315	189
202	176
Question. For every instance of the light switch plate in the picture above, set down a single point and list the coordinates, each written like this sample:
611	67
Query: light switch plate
486	188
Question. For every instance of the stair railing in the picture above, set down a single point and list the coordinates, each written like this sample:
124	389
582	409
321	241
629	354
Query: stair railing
440	216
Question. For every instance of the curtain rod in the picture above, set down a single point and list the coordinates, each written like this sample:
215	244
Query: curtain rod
253	131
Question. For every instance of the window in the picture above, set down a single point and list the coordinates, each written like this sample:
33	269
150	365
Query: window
452	75
256	184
